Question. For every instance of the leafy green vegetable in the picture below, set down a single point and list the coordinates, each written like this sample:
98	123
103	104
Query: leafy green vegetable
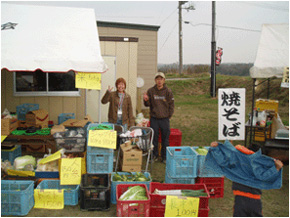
201	150
134	193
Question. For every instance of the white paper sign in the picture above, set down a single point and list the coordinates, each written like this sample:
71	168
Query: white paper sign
231	114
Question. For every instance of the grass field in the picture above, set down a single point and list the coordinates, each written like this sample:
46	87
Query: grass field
196	115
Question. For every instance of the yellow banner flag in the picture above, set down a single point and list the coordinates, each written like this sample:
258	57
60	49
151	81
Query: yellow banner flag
49	198
55	156
102	138
88	80
177	206
70	171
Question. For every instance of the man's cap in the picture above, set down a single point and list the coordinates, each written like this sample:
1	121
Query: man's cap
160	74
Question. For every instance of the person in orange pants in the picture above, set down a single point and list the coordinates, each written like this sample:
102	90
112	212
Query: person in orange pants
247	199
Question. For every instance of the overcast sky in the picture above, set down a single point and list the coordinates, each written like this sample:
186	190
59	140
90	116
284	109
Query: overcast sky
239	45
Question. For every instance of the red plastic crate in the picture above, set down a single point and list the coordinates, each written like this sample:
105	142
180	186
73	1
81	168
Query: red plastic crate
139	208
159	201
215	185
175	137
159	212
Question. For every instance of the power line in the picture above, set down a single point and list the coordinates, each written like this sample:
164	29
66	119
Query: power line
226	27
168	16
168	37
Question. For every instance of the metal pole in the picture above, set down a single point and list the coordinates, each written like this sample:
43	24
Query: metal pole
252	112
180	36
213	58
268	89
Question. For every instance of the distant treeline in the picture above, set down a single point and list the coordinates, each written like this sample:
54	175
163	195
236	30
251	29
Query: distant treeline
235	69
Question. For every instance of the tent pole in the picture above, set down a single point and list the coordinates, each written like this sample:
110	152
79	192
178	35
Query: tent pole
268	89
99	106
252	112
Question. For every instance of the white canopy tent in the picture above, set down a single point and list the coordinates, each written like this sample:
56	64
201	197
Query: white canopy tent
273	52
53	39
271	60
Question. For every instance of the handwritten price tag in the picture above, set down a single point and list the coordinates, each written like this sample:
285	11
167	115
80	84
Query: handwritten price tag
70	171
103	138
181	206
88	80
48	198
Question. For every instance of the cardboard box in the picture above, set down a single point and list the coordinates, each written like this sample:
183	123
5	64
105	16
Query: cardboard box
75	123
37	118
127	168
8	125
57	128
130	155
35	148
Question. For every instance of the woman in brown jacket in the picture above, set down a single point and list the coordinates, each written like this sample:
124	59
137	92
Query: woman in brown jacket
120	109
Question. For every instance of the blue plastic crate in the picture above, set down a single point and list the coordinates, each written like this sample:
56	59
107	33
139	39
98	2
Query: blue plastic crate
22	109
65	116
115	183
91	126
169	179
47	174
17	197
11	154
202	169
100	162
181	161
71	192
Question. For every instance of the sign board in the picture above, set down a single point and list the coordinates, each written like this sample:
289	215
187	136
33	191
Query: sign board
70	171
88	80
177	206
231	114
102	138
285	79
49	198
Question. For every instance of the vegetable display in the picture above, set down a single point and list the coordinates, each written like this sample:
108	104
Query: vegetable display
201	150
184	192
138	177
134	193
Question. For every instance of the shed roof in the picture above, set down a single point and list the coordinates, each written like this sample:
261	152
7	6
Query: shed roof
127	25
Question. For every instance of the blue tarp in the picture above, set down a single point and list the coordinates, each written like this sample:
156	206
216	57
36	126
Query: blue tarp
255	170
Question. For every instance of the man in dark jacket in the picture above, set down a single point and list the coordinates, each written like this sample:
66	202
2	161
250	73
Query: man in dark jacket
161	102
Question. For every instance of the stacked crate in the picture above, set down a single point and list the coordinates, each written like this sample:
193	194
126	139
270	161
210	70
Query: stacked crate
115	183
11	154
71	192
132	208
95	192
181	163
16	197
22	109
158	202
211	178
99	160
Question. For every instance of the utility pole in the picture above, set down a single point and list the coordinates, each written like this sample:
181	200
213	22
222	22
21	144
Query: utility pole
213	51
180	34
180	3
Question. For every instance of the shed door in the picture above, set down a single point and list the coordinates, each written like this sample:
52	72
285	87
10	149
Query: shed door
92	96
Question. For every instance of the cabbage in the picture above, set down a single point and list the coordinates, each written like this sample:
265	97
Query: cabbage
21	162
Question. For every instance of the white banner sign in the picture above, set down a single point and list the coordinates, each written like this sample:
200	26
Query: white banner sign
231	114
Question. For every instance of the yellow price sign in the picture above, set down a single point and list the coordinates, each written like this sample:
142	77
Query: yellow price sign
88	80
102	138
48	198
55	156
177	206
3	137
70	171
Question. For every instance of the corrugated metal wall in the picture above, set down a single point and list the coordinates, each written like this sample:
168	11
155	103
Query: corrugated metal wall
147	50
